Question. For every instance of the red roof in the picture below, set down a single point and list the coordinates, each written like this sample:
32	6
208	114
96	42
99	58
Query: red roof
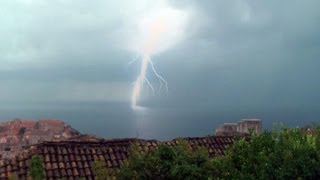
27	123
73	160
51	121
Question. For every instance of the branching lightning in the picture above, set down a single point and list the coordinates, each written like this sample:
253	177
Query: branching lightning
142	79
150	85
162	80
159	31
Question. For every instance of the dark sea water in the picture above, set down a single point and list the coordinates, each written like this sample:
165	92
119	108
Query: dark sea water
119	121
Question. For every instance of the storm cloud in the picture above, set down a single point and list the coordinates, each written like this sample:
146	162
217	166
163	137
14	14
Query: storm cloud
235	55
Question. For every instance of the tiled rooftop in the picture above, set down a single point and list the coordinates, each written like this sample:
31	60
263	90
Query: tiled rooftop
74	159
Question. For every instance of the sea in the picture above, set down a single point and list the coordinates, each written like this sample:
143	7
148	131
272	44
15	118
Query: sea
165	123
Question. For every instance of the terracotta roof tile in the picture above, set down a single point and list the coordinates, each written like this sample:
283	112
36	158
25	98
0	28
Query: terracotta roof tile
69	172
67	164
87	171
74	159
63	172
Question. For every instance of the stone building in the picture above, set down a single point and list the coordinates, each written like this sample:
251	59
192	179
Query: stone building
54	125
245	126
227	129
35	137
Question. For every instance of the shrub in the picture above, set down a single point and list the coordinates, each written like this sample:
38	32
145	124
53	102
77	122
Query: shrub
166	162
288	154
100	170
36	170
283	154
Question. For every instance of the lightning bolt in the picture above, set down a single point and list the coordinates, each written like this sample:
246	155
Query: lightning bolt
156	29
160	77
139	83
153	40
149	85
142	78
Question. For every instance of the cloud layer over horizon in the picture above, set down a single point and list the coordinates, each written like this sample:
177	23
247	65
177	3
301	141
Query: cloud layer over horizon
237	54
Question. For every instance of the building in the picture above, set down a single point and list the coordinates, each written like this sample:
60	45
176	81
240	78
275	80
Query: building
245	126
38	136
227	129
54	125
18	133
28	125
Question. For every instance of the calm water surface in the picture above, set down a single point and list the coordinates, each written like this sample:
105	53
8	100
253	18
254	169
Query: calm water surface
118	121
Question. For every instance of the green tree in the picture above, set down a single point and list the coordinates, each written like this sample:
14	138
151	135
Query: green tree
283	154
286	154
13	176
100	170
36	170
166	162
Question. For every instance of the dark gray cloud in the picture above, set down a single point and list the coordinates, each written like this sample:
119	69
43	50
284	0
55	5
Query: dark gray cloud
236	54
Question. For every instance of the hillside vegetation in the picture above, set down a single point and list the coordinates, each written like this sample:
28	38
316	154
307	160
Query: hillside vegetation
282	154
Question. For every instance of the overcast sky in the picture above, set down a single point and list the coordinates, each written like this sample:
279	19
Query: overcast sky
233	54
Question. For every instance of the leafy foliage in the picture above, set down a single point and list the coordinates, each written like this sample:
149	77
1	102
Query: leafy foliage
167	162
13	176
36	170
100	170
282	154
289	154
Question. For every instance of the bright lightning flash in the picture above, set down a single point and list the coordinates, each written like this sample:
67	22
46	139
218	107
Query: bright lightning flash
162	33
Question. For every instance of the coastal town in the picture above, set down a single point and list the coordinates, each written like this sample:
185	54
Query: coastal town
18	134
63	153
